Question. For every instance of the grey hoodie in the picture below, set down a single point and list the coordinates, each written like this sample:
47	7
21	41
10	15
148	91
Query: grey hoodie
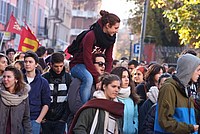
186	65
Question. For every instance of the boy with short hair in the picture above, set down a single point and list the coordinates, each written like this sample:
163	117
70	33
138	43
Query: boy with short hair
39	95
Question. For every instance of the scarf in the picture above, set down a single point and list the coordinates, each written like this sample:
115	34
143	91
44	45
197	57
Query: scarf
153	94
124	92
55	75
10	99
116	110
103	39
110	125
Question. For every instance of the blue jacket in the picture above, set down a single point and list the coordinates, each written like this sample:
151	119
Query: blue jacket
39	94
130	124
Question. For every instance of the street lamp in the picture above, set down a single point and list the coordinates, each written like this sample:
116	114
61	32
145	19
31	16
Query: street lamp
143	28
131	46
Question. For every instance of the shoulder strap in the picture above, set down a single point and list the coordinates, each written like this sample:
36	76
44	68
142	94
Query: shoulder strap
94	124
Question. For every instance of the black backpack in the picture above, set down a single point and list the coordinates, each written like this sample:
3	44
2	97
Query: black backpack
74	47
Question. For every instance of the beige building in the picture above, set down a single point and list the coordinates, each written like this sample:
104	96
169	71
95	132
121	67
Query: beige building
67	18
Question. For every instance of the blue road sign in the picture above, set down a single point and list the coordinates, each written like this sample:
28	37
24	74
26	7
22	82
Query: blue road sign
136	48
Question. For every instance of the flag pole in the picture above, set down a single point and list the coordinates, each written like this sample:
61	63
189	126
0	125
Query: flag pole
4	32
2	41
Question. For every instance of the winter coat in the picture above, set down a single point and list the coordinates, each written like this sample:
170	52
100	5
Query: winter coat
39	94
173	114
175	110
85	118
74	100
19	114
130	119
142	90
148	124
143	112
59	85
87	114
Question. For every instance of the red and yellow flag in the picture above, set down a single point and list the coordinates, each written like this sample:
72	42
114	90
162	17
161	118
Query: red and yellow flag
13	25
28	41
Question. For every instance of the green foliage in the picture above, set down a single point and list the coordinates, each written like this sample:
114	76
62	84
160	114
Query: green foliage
184	18
157	26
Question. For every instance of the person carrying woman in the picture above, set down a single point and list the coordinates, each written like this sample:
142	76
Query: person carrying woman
100	39
103	114
14	103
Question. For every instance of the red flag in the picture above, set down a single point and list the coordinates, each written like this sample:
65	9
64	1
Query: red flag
13	25
28	41
67	55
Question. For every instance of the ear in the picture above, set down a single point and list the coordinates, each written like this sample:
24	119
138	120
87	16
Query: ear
104	87
50	64
107	25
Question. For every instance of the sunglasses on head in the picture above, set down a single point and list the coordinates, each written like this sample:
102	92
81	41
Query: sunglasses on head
101	64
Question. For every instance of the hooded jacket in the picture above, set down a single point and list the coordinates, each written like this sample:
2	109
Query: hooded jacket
175	110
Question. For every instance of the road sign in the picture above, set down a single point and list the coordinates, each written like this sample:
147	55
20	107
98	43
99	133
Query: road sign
136	48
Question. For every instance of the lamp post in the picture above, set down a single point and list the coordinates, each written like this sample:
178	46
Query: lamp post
143	28
131	45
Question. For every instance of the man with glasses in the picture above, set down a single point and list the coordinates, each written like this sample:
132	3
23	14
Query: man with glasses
74	97
99	63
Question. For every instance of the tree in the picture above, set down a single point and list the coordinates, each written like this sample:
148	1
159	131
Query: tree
157	25
184	18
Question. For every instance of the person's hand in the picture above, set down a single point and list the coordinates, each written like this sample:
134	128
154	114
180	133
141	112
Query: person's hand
38	120
196	127
98	86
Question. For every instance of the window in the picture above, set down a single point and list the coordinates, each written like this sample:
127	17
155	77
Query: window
3	14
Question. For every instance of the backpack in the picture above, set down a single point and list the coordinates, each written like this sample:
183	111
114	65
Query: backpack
74	47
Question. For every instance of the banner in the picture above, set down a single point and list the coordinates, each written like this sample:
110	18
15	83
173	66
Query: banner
13	25
28	41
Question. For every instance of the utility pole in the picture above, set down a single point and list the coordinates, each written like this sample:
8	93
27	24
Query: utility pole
131	45
143	29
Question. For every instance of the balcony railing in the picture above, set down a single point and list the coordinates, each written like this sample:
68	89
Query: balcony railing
87	14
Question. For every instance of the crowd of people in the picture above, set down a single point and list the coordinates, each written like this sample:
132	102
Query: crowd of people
90	93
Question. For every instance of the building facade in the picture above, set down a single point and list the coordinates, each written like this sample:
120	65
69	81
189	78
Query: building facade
84	14
54	22
32	12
